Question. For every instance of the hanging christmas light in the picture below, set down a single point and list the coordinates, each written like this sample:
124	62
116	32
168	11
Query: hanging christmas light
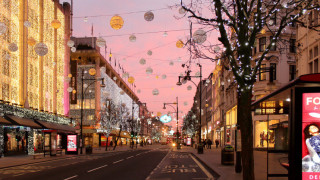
155	92
132	38
92	71
149	16
69	89
114	78
179	44
157	77
116	22
70	43
142	61
149	52
3	28
149	70
41	49
208	81
131	80
200	36
13	47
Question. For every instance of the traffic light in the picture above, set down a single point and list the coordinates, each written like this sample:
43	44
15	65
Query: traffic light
132	134
136	134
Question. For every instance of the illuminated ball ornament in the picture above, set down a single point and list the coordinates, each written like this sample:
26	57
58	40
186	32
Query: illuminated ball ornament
114	78
92	71
185	103
100	42
164	76
70	43
125	75
149	16
31	41
73	49
131	80
159	114
200	36
27	24
3	28
139	91
171	63
182	10
74	91
142	61
41	49
7	56
149	70
208	81
149	52
179	44
263	31
189	88
132	38
70	75
13	47
116	22
155	92
69	89
216	49
165	34
56	24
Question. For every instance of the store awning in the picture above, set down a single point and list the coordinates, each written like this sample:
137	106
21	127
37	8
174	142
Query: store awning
24	122
55	126
3	121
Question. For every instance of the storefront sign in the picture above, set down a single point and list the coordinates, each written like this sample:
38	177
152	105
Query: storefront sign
310	136
72	143
165	118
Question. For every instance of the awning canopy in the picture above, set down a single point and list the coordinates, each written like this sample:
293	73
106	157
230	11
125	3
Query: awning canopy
24	122
55	126
3	121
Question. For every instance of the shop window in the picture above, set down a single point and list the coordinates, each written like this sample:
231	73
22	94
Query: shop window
262	74
263	134
262	44
315	66
274	75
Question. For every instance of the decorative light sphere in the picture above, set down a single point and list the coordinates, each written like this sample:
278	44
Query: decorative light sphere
13	47
164	76
131	80
149	70
216	49
92	71
116	22
155	92
132	38
165	34
41	49
70	75
149	52
263	31
73	49
122	92
142	61
185	103
200	36
31	41
189	88
208	81
182	10
149	16
69	89
100	42
56	23
179	59
70	43
179	44
3	28
157	77
114	78
138	91
74	91
159	114
85	85
27	24
171	63
7	56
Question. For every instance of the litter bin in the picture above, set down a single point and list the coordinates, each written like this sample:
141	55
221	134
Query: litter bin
200	148
227	155
88	150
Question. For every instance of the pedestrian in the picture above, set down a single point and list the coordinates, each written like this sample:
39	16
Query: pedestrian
209	143
204	143
111	144
217	143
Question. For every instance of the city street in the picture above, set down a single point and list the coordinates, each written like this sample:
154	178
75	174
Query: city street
156	162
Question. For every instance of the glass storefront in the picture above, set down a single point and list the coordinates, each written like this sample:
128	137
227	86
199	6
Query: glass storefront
38	140
15	140
262	135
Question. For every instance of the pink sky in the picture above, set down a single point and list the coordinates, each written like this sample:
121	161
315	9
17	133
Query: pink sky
164	48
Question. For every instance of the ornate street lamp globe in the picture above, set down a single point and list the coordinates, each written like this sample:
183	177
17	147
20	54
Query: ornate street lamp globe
149	16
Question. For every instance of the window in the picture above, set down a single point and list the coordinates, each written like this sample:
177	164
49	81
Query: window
273	46
292	72
274	73
310	68
315	66
262	44
273	19
310	54
292	46
262	74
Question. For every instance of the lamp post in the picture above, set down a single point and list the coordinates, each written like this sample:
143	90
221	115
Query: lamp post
177	114
188	78
82	98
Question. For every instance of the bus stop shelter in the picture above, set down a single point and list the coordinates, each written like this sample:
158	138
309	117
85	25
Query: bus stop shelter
300	100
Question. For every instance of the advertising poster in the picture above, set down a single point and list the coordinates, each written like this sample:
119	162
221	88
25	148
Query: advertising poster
188	141
311	136
72	143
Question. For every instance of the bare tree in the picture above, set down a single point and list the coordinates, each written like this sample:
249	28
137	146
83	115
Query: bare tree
108	121
238	23
122	116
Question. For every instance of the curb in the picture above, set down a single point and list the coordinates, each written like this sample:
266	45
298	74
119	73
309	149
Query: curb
213	173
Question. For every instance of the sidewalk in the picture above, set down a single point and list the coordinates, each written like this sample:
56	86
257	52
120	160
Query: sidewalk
11	161
212	158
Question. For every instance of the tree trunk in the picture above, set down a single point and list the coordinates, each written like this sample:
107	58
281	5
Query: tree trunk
115	145
246	128
107	144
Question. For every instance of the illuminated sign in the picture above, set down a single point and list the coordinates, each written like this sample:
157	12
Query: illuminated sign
188	141
72	143
310	136
165	118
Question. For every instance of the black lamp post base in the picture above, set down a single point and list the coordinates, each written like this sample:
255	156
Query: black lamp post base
200	149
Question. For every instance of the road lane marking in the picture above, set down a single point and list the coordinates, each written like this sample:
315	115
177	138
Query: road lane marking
129	157
202	168
97	168
71	177
118	161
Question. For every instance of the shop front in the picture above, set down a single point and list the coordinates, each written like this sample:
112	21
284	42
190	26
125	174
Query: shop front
231	126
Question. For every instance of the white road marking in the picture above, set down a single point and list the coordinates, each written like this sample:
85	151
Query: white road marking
97	168
71	177
129	157
202	168
118	161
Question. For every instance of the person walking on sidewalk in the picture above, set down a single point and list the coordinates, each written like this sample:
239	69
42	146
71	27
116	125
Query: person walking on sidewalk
217	143
209	142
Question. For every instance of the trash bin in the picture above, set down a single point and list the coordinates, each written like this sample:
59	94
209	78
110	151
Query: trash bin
200	148
227	155
88	150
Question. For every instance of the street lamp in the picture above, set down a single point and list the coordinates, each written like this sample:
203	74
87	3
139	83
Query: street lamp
188	77
177	114
82	98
